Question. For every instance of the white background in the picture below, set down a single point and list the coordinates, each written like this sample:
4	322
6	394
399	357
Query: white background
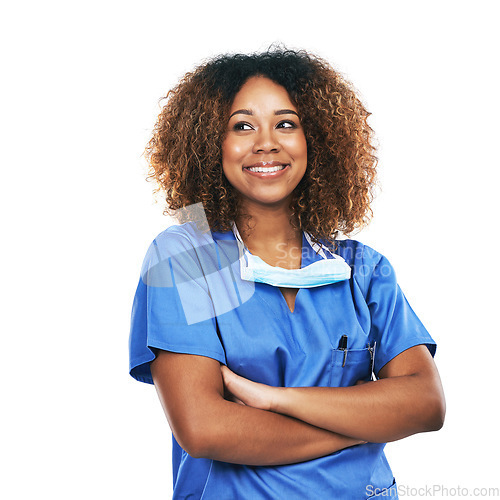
80	89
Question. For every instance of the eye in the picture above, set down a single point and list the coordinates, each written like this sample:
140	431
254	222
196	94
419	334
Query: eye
242	126
286	124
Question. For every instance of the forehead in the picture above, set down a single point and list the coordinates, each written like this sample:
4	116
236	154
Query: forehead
260	94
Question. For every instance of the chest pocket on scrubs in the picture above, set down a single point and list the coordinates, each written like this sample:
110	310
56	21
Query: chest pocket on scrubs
349	366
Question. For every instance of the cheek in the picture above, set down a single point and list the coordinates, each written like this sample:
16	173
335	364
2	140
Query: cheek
229	158
230	151
303	146
226	156
233	155
298	148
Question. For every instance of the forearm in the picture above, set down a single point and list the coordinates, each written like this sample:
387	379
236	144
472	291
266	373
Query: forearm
245	435
380	411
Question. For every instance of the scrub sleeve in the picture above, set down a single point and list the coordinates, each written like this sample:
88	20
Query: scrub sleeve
394	325
172	308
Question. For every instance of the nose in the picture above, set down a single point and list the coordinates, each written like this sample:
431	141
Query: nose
266	142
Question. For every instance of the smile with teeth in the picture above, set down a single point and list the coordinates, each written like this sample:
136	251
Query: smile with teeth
267	169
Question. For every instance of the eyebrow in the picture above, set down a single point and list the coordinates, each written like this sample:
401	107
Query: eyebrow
278	112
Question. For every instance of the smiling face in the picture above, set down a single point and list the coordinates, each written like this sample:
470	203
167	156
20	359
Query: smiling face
264	153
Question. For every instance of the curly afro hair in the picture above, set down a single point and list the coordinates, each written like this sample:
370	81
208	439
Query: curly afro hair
185	151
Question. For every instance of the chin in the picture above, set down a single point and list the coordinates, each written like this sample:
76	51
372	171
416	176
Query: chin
270	201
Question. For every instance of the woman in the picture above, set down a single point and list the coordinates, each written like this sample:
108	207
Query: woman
259	328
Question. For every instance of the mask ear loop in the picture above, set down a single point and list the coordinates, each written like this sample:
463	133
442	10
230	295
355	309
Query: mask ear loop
241	252
315	246
320	249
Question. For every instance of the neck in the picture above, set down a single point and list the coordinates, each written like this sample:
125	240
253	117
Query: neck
269	226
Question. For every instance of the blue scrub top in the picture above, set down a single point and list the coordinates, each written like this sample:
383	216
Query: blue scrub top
191	299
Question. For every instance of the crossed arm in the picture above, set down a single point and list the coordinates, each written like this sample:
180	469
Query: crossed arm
213	413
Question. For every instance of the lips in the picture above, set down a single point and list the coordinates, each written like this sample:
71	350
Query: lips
267	166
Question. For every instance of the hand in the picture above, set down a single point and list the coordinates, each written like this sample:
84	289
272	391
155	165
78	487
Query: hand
246	392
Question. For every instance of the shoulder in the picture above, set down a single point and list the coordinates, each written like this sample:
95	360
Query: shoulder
180	238
182	235
179	241
367	264
357	254
184	248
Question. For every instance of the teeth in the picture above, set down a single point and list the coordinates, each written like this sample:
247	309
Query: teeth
266	169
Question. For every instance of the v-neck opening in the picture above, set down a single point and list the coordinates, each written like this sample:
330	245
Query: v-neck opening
283	298
294	299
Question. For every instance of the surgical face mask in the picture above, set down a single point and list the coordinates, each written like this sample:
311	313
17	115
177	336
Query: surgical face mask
321	272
